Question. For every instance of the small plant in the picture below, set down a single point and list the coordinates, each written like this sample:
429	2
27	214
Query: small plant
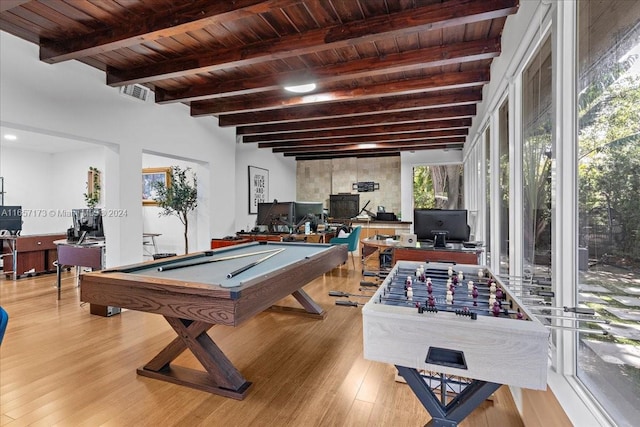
178	198
92	196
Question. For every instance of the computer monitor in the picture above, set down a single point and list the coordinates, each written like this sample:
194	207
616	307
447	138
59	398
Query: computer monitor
11	219
344	206
308	211
433	224
89	221
277	216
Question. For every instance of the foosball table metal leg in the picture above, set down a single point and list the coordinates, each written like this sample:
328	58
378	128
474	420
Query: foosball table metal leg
451	414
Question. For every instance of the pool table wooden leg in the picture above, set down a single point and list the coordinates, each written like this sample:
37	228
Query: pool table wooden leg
311	308
221	377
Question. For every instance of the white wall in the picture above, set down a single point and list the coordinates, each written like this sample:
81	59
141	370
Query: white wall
71	101
47	185
282	180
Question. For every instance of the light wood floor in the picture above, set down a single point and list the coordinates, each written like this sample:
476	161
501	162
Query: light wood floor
61	366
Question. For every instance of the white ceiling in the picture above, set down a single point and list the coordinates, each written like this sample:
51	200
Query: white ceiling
35	141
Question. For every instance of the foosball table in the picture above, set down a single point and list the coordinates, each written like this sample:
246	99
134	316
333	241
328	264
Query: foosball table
454	325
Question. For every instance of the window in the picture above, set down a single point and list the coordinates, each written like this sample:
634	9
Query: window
487	178
609	202
503	141
438	187
537	162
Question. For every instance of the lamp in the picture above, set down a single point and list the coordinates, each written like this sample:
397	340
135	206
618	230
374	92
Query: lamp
302	88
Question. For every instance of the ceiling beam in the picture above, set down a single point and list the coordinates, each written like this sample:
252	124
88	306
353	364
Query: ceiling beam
351	122
355	150
10	4
362	154
192	16
360	131
434	56
240	105
458	134
383	105
431	17
417	143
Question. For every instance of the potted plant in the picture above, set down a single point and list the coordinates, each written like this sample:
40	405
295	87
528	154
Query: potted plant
179	197
92	196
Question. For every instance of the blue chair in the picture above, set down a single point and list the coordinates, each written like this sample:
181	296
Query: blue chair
4	319
352	241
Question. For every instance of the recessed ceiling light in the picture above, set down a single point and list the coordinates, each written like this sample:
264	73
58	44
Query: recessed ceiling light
367	145
305	88
10	137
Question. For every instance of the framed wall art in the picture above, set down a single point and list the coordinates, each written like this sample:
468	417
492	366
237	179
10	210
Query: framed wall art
258	187
149	177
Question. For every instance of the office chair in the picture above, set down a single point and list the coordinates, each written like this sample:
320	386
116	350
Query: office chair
4	319
352	241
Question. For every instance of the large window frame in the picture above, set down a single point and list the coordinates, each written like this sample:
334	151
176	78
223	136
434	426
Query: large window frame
558	20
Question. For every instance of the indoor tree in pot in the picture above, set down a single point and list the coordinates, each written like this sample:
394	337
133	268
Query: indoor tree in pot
179	197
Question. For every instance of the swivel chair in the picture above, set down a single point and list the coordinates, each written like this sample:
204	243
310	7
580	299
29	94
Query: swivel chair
352	241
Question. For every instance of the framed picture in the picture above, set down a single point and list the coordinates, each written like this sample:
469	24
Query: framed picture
258	187
149	177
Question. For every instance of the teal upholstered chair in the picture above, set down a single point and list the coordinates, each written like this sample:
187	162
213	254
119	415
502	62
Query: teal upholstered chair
352	241
4	319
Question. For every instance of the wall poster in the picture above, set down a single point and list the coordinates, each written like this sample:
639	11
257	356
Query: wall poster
258	187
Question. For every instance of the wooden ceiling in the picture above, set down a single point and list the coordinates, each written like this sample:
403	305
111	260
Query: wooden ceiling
391	75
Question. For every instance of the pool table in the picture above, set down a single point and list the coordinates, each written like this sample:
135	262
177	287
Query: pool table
196	291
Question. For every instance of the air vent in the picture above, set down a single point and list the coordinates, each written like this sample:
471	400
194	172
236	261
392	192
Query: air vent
135	91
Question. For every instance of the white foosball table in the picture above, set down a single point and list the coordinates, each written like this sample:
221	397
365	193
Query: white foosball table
427	317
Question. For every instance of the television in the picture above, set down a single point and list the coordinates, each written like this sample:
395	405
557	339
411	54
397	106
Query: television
441	225
344	206
89	221
11	219
277	216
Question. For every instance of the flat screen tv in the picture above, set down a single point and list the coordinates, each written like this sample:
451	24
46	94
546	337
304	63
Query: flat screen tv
344	206
452	223
277	216
11	219
89	221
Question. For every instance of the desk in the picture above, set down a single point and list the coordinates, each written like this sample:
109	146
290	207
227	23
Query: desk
454	253
31	254
194	298
321	237
490	349
90	254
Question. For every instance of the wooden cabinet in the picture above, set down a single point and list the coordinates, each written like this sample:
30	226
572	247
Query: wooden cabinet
34	254
385	228
435	255
221	243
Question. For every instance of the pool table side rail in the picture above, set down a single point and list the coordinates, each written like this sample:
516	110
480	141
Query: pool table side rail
205	302
259	293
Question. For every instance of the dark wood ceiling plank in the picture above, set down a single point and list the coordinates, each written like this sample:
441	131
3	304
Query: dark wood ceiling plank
350	122
435	16
272	106
426	18
422	58
10	4
153	27
355	147
362	154
382	105
313	135
458	135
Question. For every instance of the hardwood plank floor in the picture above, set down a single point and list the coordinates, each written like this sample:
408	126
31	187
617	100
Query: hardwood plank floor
61	366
